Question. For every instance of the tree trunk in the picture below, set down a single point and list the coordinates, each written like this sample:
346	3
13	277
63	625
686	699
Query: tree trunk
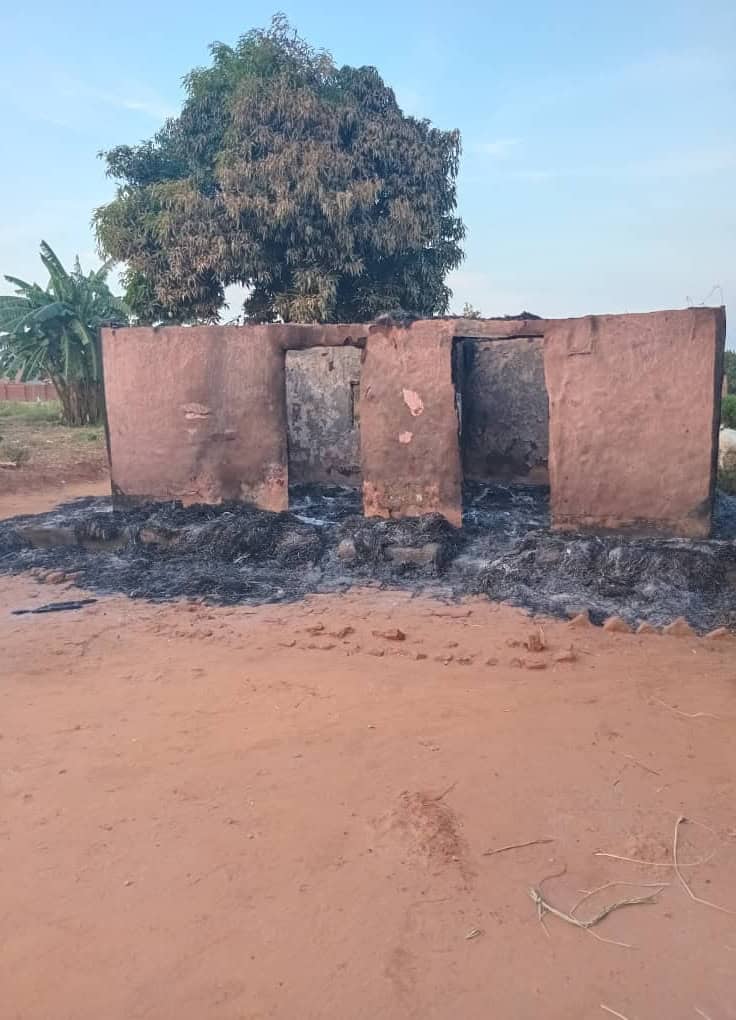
82	401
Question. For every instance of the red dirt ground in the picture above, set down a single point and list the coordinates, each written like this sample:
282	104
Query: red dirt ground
281	813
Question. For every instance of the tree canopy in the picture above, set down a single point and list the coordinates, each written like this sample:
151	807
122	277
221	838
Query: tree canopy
301	180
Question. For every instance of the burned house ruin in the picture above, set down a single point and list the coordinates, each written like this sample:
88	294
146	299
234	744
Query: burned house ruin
618	413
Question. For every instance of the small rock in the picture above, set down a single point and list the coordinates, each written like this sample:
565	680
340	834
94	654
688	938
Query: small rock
341	632
346	550
519	663
288	644
465	660
679	628
568	655
535	641
581	620
536	664
646	628
56	577
719	634
420	655
615	625
321	646
444	659
491	662
377	652
316	628
408	556
392	634
452	644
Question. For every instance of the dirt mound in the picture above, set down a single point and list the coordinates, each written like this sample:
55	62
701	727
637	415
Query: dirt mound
425	828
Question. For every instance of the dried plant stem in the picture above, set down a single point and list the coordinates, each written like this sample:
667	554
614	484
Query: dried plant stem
681	877
656	864
545	907
516	846
686	715
614	1012
641	765
608	885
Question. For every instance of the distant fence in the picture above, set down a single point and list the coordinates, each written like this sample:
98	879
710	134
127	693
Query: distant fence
30	391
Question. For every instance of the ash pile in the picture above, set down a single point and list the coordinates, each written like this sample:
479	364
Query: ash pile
238	554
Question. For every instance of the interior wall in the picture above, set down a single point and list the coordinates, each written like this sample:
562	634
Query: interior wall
322	400
505	410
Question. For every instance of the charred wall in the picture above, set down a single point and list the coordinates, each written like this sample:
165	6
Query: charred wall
322	401
505	412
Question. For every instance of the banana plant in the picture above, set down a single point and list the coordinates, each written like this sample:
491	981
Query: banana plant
53	332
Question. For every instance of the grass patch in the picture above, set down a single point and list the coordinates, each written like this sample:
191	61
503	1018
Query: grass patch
31	410
14	453
90	434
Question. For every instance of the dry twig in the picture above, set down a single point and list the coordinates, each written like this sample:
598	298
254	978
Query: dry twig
641	764
614	1012
634	885
516	846
444	793
701	1012
545	907
686	715
656	864
681	877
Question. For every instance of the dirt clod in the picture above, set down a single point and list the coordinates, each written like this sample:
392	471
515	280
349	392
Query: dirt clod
719	634
391	634
615	625
535	641
679	628
580	620
646	628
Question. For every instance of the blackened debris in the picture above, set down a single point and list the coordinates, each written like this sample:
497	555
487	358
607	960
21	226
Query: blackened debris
234	553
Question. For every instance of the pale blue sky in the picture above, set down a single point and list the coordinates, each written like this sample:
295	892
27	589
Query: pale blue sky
599	164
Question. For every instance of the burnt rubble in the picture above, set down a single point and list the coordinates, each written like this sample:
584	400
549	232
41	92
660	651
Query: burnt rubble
233	553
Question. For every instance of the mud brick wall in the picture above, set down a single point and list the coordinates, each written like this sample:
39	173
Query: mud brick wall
198	414
634	406
322	401
26	392
410	448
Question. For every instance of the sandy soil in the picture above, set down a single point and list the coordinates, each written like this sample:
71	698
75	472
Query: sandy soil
53	456
283	812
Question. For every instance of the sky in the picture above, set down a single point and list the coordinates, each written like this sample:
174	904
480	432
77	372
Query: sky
599	140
